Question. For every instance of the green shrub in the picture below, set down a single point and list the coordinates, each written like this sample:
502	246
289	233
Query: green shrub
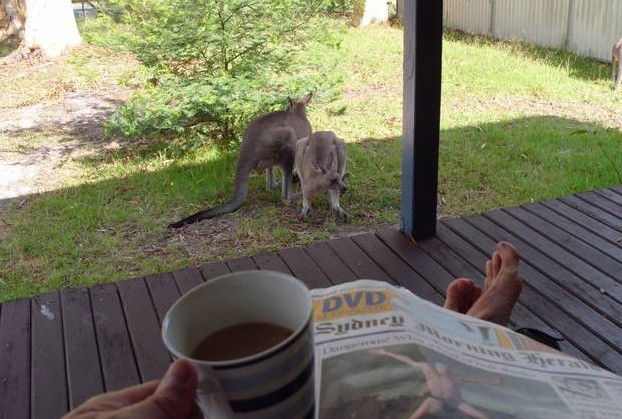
217	63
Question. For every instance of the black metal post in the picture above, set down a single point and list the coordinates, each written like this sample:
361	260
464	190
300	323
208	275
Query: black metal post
423	36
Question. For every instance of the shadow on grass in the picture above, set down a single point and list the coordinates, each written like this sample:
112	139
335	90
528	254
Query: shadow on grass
578	67
116	228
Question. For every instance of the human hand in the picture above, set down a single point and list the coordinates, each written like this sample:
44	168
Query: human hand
169	398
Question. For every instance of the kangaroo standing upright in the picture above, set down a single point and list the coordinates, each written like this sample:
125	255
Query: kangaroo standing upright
617	64
269	140
321	167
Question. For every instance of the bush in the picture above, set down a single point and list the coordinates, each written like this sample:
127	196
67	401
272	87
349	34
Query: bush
217	63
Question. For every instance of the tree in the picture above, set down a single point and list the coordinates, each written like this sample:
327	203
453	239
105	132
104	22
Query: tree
376	11
46	26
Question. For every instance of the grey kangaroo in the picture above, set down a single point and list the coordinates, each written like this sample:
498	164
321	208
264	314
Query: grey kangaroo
617	64
269	140
321	167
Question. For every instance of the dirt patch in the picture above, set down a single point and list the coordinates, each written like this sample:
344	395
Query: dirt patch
54	110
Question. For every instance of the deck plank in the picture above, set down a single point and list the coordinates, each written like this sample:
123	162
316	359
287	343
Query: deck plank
602	203
115	349
49	396
163	291
187	278
593	257
15	359
241	264
271	262
397	269
328	261
362	266
479	250
453	259
213	270
152	356
84	374
588	237
610	195
603	230
546	256
593	211
304	268
576	321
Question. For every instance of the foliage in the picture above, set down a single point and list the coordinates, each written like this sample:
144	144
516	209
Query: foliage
343	8
217	63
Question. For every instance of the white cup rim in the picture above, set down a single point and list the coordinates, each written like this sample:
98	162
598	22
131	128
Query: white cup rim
232	362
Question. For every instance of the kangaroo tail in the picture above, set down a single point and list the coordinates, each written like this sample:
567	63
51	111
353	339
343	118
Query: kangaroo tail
240	191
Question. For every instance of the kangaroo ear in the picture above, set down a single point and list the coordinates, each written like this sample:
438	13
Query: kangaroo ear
307	99
291	102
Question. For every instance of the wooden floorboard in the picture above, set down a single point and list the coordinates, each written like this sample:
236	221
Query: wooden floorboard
152	357
603	203
60	348
48	391
561	279
577	230
603	230
163	291
187	278
271	262
589	253
593	212
538	307
330	263
213	270
15	359
572	317
304	268
84	375
610	195
241	264
361	264
396	268
115	349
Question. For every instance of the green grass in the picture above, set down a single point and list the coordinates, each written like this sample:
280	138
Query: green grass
518	124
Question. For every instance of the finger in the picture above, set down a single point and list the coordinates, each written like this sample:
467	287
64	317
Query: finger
118	399
174	397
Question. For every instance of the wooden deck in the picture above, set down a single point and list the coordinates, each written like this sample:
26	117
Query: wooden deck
60	348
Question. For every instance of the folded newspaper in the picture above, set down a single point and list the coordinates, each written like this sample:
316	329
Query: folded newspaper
382	352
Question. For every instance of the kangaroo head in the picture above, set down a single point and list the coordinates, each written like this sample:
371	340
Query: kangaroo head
299	106
330	178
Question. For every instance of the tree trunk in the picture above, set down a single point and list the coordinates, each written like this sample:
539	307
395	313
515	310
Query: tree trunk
50	26
376	11
12	18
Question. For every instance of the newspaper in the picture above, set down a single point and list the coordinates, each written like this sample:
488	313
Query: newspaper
382	352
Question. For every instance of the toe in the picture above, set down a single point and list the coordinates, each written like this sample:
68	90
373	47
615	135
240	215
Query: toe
507	254
496	264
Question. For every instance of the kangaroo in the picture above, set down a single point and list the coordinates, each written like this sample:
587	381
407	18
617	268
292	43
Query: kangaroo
321	167
269	140
617	64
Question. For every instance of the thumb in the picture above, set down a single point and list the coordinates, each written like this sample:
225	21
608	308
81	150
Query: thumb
173	399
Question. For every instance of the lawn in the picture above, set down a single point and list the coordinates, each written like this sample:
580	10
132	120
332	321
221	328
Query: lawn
518	124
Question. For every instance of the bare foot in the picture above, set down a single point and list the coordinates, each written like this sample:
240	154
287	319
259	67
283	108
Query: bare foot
503	286
462	293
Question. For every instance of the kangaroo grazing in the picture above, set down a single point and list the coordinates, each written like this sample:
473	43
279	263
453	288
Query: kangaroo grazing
617	64
269	140
321	167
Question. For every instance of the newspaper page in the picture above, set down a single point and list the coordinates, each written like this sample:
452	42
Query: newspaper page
382	352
